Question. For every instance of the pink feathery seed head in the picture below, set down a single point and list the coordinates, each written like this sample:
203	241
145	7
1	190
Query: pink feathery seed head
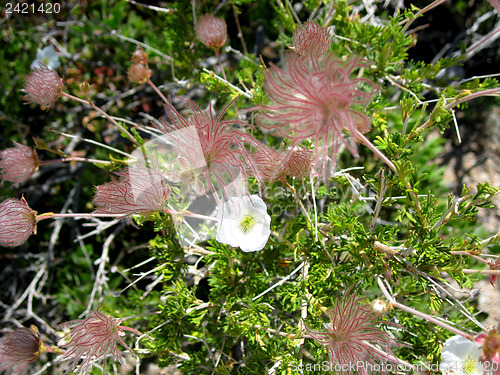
353	336
215	148
18	348
139	190
211	31
311	40
317	99
139	73
225	147
18	163
93	338
43	86
17	222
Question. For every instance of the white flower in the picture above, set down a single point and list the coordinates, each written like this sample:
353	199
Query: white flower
244	222
183	172
46	56
460	357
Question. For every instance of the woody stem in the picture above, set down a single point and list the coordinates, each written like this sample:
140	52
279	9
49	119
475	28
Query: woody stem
48	162
52	215
110	119
377	152
420	314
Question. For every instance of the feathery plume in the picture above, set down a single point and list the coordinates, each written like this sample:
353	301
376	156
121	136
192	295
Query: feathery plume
209	149
311	40
93	338
316	99
352	335
139	190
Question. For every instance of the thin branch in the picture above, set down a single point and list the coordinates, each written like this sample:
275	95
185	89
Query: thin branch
92	105
422	315
152	7
380	198
101	278
282	281
248	95
409	21
96	143
143	45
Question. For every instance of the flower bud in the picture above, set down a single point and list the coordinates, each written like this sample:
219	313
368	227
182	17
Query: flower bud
139	56
17	222
139	73
18	163
379	307
18	348
84	87
43	86
267	161
273	165
311	40
211	31
299	163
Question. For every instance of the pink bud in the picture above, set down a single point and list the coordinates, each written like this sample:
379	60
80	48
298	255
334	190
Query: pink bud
267	162
17	222
298	164
18	348
139	56
18	163
43	86
311	40
273	165
211	31
139	73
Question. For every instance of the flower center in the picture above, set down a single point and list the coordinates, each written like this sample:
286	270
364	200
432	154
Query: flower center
469	366
247	223
187	176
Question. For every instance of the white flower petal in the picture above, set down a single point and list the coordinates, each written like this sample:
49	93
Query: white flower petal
230	216
198	188
46	56
257	239
460	357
